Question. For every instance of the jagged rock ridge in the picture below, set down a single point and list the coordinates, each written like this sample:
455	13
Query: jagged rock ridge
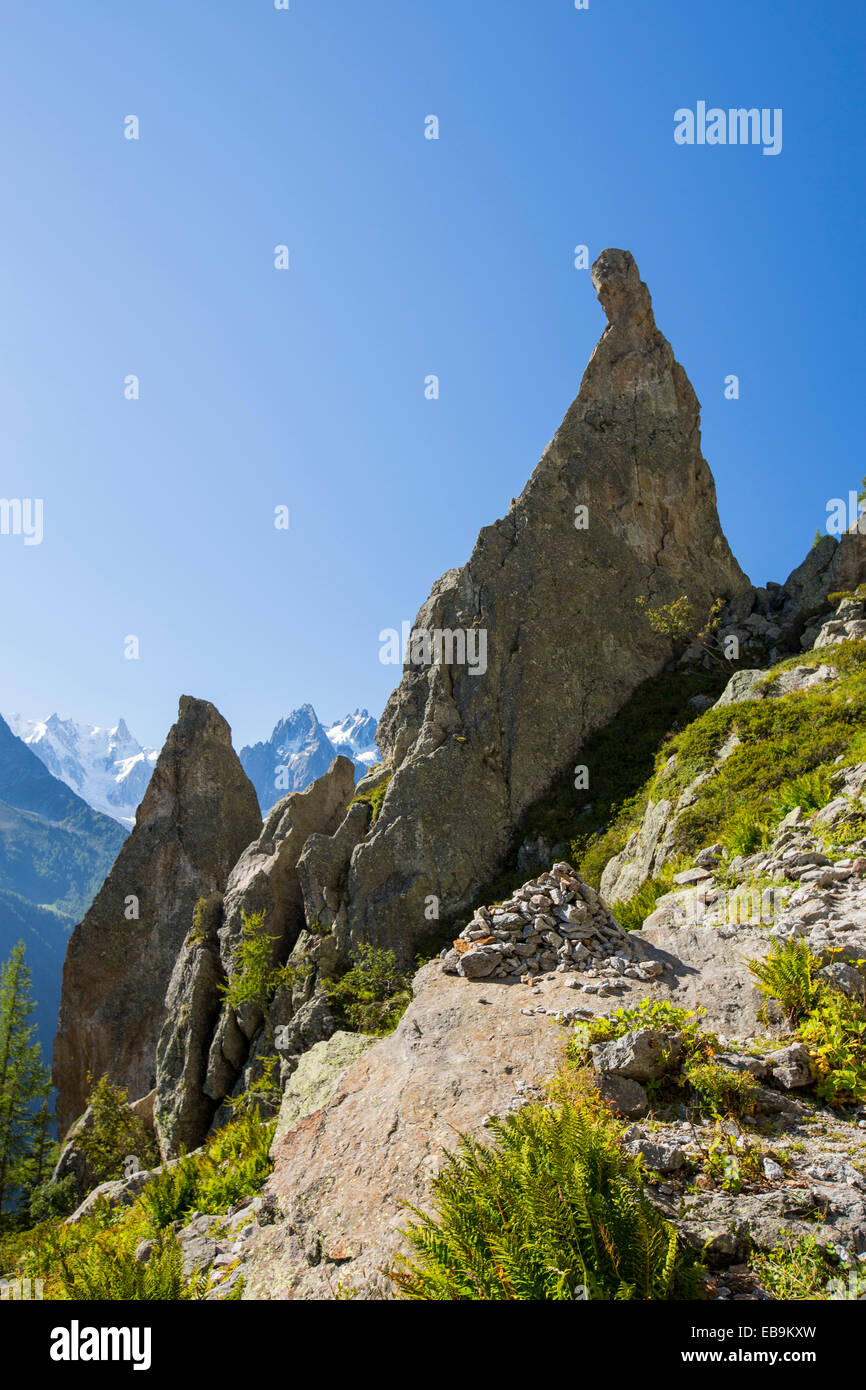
205	1045
198	814
468	753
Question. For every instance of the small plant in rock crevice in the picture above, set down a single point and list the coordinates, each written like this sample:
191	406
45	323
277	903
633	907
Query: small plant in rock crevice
373	994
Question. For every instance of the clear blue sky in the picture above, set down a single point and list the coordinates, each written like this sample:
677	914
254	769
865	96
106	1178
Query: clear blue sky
408	257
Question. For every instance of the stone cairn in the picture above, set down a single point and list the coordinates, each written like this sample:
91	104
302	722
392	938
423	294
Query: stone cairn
554	923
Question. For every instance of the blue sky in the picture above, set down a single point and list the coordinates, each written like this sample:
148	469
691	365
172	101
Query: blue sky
305	388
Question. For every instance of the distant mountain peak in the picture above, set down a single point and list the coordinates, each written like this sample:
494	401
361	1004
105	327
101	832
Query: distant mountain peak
107	767
301	748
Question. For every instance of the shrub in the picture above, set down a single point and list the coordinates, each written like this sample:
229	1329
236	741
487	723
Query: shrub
676	620
730	1161
720	1090
53	1199
554	1207
172	1194
256	976
835	1034
831	1025
374	798
94	1258
263	1095
238	1163
234	1165
372	996
631	913
206	919
114	1134
711	1088
649	1013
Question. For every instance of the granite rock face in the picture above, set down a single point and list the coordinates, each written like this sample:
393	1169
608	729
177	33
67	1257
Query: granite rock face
205	1044
469	749
198	813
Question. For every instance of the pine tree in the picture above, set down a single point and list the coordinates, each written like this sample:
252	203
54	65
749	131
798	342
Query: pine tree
44	1151
23	1077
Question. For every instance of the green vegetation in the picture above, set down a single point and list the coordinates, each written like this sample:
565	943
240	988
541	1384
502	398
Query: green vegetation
114	1134
256	977
782	753
590	825
206	919
553	1210
373	995
659	743
832	1026
47	1199
676	620
794	1269
810	792
731	1161
745	835
95	1257
786	754
23	1081
719	1090
835	1034
788	975
631	913
234	1165
107	1269
649	1013
374	798
708	1087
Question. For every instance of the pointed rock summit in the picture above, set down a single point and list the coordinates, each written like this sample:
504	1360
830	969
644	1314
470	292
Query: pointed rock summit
198	814
621	506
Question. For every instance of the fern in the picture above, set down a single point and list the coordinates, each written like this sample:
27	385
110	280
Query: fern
108	1270
553	1207
810	792
787	974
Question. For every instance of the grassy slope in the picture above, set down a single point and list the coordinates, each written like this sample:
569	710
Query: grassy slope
782	739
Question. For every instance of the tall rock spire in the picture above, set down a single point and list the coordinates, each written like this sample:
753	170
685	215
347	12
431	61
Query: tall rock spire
198	814
621	505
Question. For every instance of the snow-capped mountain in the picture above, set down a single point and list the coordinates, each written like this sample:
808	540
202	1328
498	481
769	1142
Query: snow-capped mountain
356	737
300	749
55	851
108	768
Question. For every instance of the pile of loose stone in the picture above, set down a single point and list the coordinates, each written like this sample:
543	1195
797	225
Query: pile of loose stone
554	924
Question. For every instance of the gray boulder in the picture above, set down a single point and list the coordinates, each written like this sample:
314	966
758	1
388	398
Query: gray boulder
790	1066
624	1096
661	1157
643	1055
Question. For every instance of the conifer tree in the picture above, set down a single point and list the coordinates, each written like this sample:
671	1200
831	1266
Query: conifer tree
24	1079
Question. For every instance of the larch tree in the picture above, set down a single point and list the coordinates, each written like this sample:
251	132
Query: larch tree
24	1078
